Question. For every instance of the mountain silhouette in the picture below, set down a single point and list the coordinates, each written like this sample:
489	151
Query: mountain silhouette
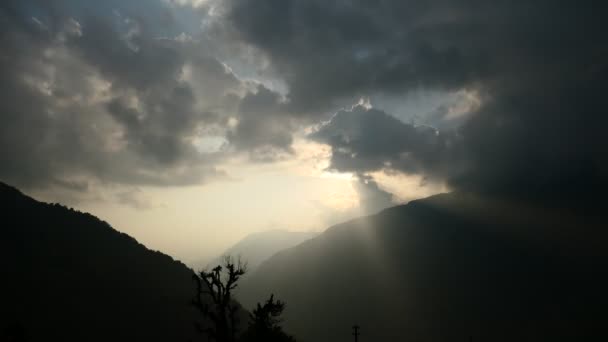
68	276
443	269
258	247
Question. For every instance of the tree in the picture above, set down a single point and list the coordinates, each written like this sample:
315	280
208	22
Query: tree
264	323
214	299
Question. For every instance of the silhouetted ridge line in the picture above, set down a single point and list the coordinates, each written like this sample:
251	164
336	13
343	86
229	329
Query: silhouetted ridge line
70	276
442	268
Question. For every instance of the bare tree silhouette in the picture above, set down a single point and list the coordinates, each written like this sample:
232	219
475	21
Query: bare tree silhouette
214	299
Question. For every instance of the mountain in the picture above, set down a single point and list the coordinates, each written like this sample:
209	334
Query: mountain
68	276
257	247
446	268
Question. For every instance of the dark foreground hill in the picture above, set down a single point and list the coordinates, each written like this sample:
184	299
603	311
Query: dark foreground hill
68	276
447	268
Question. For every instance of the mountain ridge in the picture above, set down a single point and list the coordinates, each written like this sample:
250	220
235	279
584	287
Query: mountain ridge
440	269
257	247
74	277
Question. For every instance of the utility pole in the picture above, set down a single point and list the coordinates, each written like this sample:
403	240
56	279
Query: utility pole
356	332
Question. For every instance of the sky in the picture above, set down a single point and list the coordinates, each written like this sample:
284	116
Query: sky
189	124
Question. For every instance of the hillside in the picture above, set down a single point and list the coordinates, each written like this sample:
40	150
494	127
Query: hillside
69	276
446	268
258	247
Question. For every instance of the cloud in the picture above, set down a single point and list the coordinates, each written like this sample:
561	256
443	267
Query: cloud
263	128
120	92
538	69
134	198
327	50
365	140
93	92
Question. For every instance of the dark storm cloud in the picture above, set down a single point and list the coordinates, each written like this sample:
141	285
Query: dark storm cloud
539	67
263	127
54	127
159	128
100	91
367	140
132	57
332	49
113	90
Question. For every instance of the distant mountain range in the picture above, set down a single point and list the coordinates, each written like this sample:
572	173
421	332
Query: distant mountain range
68	276
447	268
258	247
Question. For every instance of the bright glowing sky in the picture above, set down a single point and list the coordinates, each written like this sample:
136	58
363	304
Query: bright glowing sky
200	221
